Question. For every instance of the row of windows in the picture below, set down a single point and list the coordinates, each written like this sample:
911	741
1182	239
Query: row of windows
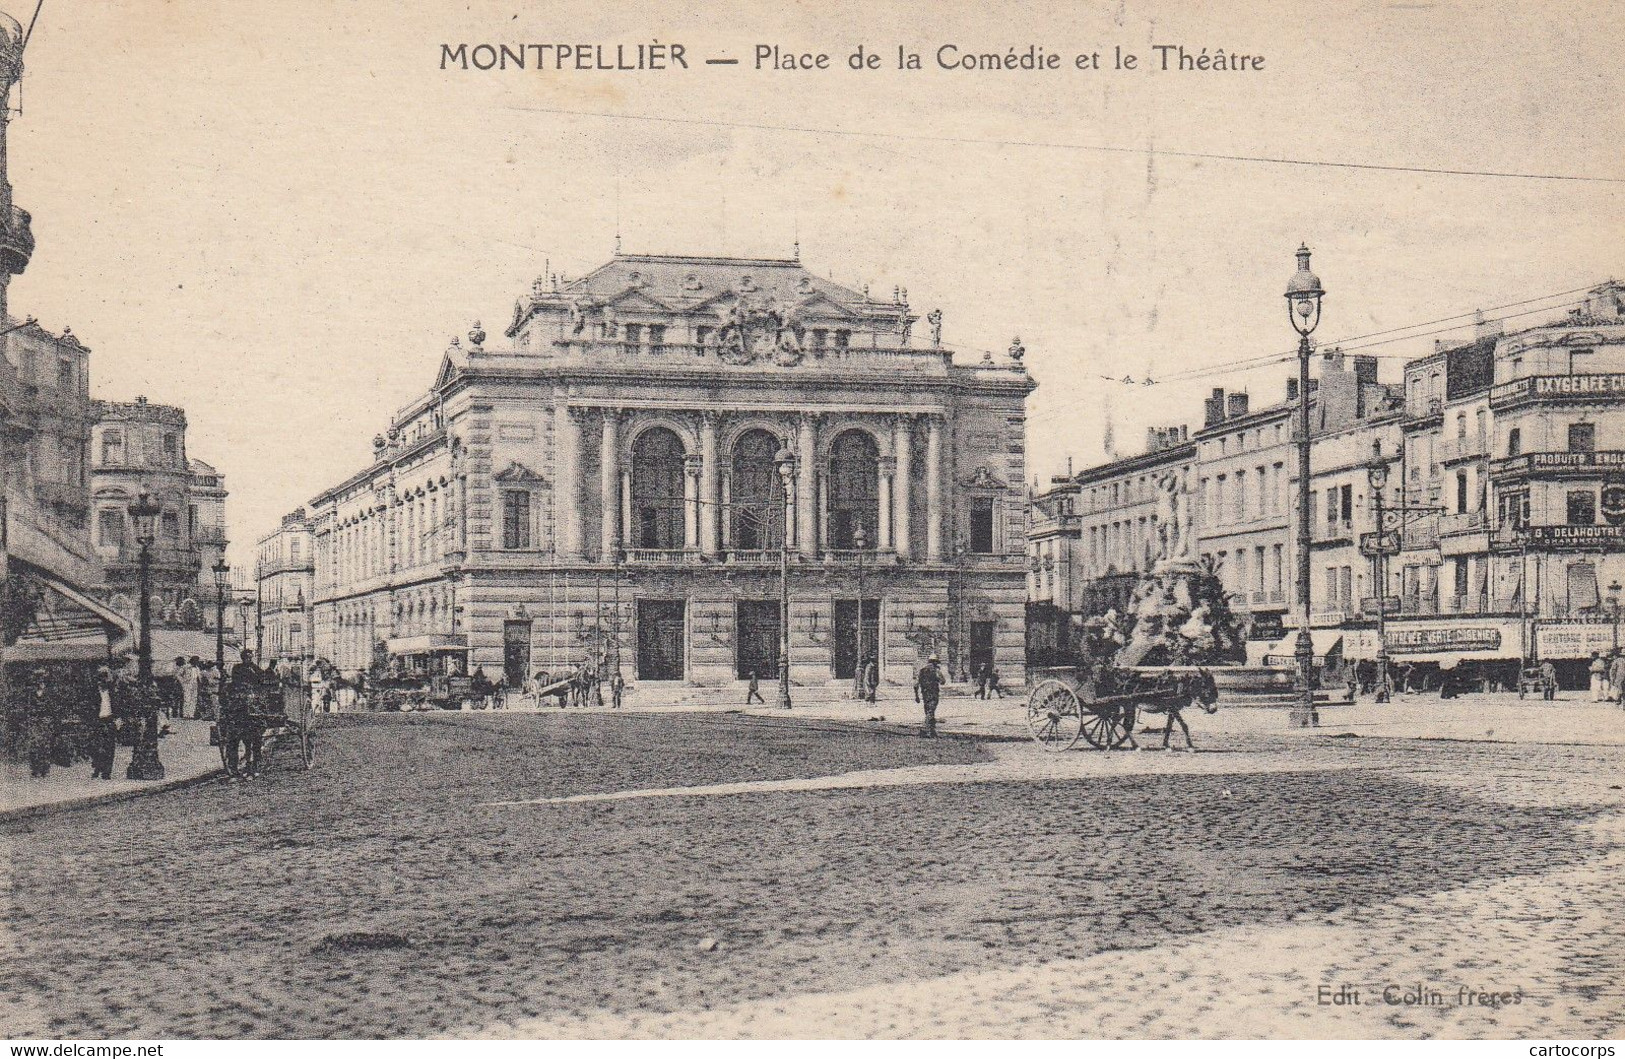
1242	495
67	373
114	530
112	450
1251	570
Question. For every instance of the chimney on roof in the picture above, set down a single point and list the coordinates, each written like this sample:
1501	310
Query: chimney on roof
1483	328
1236	406
1365	370
1213	408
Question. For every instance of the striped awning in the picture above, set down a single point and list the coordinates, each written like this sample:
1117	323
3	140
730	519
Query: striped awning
68	625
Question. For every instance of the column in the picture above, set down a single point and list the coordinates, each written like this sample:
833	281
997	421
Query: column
883	516
609	480
566	481
627	536
727	511
933	488
823	513
807	486
709	473
904	445
691	496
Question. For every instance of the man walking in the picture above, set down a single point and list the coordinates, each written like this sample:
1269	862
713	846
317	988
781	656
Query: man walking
238	729
617	687
1599	677
104	732
871	680
754	690
927	690
1616	676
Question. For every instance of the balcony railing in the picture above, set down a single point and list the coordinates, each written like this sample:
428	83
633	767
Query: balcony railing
1433	406
1469	447
1334	531
160	555
656	555
16	241
1418	604
1464	522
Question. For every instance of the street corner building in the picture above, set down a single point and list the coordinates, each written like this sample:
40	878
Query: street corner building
623	483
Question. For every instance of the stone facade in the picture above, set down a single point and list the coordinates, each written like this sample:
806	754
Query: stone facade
609	486
285	570
135	447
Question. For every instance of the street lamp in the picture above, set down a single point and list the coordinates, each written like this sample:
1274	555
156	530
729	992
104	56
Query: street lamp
786	462
1377	475
144	764
860	683
1303	295
222	584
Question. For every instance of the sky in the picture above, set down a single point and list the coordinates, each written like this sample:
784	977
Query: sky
277	215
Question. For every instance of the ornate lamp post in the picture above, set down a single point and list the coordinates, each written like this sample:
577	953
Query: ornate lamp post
1303	295
1377	474
786	462
144	764
222	585
860	685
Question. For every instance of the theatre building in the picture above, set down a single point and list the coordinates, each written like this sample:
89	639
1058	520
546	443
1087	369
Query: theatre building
624	480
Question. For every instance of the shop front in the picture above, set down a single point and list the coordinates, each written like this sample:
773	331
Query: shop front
1569	645
1463	654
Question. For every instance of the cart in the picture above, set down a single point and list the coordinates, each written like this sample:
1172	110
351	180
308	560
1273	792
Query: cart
1099	704
283	714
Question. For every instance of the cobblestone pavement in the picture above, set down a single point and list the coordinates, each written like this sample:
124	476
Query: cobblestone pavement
960	888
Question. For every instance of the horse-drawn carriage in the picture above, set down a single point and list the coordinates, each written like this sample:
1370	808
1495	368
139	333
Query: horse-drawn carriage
1100	704
280	712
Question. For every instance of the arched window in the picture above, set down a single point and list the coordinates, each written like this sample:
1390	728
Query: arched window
657	490
854	482
757	494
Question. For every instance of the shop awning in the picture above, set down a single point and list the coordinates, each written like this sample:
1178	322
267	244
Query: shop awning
428	643
1328	643
69	626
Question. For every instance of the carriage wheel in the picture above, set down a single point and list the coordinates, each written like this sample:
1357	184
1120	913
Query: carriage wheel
307	749
1054	716
1103	728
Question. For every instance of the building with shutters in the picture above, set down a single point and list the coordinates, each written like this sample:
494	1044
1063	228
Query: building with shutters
607	487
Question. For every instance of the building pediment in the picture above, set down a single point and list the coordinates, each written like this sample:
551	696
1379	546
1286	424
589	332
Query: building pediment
635	299
517	473
982	478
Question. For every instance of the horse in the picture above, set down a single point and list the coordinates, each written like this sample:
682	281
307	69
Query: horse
1170	695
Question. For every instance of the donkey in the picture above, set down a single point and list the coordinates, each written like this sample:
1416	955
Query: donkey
1170	694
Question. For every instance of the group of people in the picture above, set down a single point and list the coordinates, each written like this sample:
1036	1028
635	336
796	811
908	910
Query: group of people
65	717
1608	676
